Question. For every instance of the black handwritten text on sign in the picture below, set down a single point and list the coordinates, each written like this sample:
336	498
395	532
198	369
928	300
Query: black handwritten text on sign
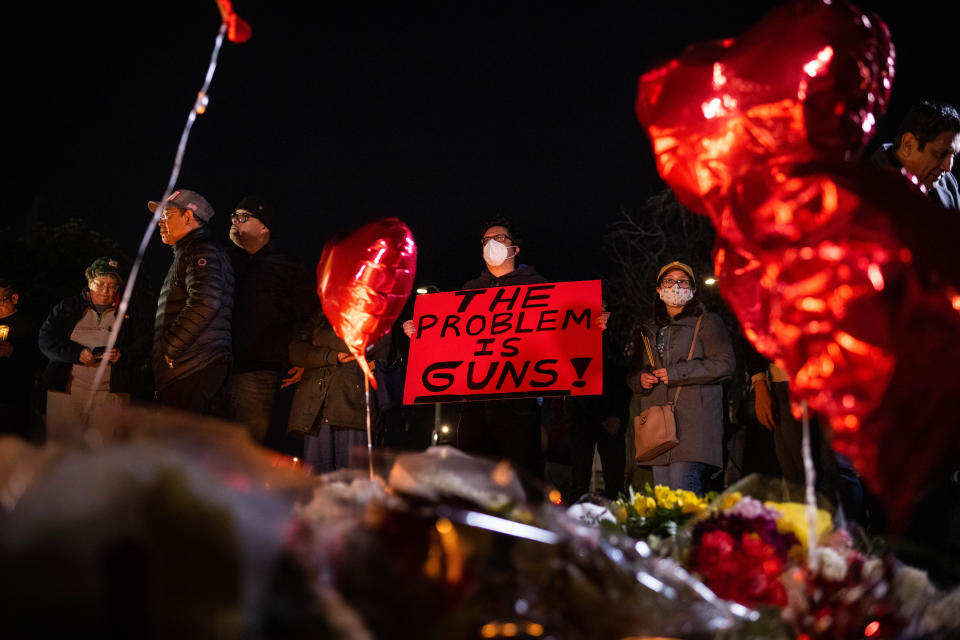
506	342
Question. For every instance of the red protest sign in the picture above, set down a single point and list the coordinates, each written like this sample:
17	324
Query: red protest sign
506	342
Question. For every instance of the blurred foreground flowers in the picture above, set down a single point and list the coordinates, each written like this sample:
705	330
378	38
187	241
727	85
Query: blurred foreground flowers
754	550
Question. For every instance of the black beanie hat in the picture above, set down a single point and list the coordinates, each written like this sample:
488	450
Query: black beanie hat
261	210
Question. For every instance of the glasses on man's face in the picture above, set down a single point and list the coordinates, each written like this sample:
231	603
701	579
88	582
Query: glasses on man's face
104	285
5	298
500	237
669	282
166	213
241	216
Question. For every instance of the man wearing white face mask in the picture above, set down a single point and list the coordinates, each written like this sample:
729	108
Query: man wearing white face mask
501	428
500	248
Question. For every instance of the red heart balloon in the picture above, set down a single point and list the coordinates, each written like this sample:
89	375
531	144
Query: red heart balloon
815	254
364	280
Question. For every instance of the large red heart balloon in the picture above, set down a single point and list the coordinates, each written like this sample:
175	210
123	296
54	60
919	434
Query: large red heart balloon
828	264
364	280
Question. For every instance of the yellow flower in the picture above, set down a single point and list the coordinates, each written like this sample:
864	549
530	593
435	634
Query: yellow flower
645	505
729	500
621	514
690	502
794	518
665	496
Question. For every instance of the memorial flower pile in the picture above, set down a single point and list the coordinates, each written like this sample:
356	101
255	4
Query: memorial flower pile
756	553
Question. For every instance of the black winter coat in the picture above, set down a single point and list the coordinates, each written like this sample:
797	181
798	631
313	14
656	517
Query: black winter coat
63	353
275	297
192	326
524	274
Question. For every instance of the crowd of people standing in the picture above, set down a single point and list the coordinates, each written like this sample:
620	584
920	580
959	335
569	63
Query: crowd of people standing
229	322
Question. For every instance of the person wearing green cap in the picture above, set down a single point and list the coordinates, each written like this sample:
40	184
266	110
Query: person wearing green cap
73	338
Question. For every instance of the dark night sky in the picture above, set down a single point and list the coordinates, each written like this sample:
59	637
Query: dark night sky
440	114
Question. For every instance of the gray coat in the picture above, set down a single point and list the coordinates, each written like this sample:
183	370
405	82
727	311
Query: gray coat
699	411
330	391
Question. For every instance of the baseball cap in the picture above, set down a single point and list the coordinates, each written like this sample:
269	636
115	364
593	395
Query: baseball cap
261	210
676	265
104	266
186	199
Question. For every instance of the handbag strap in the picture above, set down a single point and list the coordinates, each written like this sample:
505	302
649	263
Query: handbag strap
693	343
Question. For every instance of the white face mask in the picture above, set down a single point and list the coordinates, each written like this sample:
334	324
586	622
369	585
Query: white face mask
675	296
495	253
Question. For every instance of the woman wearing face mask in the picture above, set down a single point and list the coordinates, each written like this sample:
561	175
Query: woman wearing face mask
699	408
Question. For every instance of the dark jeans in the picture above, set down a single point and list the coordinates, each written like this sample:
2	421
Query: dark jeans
585	436
197	391
681	475
249	399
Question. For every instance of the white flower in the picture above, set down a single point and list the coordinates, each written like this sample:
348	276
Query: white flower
832	565
591	514
872	570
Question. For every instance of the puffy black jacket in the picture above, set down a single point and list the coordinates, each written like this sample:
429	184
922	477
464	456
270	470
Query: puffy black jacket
192	326
63	353
275	297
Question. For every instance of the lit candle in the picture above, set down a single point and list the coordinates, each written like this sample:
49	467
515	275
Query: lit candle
4	332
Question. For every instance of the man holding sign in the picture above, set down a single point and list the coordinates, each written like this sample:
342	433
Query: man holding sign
503	341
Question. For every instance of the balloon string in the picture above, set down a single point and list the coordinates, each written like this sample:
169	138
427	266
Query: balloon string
366	395
199	106
810	476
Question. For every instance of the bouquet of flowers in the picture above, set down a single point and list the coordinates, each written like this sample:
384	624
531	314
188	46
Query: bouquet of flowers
754	551
844	593
741	553
658	512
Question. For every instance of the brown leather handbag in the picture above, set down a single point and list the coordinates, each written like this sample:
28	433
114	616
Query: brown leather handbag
655	429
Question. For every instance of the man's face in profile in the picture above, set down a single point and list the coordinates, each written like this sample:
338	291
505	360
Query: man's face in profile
933	160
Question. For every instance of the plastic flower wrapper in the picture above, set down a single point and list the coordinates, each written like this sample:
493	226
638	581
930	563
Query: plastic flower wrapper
164	521
448	563
448	473
591	569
